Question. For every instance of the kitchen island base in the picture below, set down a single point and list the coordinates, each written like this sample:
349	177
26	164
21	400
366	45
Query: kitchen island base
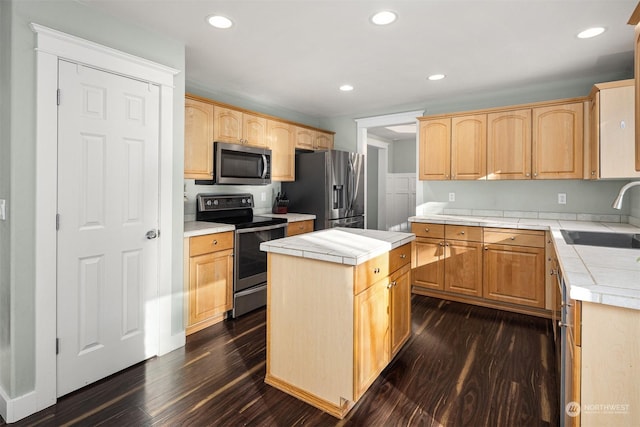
326	344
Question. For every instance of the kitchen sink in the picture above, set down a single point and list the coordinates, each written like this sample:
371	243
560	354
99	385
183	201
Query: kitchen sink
596	238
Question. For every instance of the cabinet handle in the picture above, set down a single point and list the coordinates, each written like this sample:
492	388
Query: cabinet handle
564	304
215	242
426	229
403	256
376	270
513	238
391	285
441	243
553	272
527	174
563	325
462	232
535	174
486	248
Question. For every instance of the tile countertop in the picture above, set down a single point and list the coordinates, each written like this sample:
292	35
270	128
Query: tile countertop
595	274
200	228
351	246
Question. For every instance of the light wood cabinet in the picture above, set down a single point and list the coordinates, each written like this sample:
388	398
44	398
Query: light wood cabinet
282	142
209	281
198	137
514	263
237	127
469	147
634	20
330	337
299	227
612	131
509	145
309	139
435	149
558	141
449	260
324	141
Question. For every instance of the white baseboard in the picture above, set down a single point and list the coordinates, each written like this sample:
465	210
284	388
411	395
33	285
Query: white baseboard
15	409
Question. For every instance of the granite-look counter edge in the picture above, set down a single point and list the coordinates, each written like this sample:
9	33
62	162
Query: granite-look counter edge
592	273
351	246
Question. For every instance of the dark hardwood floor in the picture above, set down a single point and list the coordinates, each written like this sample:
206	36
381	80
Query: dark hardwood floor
463	365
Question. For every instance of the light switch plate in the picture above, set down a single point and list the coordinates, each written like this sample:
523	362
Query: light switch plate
3	210
562	198
452	197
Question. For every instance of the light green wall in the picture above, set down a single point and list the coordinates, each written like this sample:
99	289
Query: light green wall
372	188
634	209
403	156
82	21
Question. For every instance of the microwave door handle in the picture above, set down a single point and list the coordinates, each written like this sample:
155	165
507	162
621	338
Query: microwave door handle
264	166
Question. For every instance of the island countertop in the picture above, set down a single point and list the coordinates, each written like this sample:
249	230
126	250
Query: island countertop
592	273
351	246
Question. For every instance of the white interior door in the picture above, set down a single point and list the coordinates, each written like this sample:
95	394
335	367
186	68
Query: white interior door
400	200
107	268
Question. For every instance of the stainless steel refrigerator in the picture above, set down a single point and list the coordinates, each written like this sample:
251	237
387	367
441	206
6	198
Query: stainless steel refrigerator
330	185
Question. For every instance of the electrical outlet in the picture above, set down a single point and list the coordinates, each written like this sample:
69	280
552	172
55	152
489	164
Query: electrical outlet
3	210
562	198
452	197
263	196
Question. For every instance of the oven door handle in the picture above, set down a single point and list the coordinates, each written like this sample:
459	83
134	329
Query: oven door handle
263	228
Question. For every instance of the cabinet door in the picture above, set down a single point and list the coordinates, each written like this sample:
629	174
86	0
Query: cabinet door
324	141
429	263
300	227
400	315
514	274
210	285
435	149
227	125
254	130
198	139
509	145
636	61
558	142
305	138
463	268
282	143
469	147
617	134
371	335
593	170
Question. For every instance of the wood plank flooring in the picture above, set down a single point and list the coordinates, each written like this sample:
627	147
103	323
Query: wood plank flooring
463	365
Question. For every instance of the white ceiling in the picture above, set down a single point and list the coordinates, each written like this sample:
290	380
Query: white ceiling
294	54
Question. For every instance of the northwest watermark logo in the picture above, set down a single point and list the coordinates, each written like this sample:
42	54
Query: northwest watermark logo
573	409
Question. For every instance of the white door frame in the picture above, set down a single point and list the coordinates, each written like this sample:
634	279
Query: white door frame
386	120
53	45
383	165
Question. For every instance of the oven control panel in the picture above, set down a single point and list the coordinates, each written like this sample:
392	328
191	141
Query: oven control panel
217	202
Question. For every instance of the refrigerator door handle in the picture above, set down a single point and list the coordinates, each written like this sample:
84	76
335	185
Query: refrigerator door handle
337	196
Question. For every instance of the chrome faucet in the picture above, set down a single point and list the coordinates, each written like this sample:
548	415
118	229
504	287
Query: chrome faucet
617	204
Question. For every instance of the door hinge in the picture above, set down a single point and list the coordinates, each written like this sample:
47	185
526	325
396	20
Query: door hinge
57	345
58	97
57	222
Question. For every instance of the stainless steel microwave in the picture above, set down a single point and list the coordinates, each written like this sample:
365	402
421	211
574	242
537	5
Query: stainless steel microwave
238	164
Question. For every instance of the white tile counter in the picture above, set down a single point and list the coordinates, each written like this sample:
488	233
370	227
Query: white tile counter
592	273
200	228
290	217
350	246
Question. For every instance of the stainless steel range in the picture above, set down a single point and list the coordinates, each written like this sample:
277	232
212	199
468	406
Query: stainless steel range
250	264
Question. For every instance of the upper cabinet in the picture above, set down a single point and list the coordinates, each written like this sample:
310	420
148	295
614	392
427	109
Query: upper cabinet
309	139
558	141
237	127
198	137
469	147
435	149
635	20
207	121
509	145
282	142
534	141
612	131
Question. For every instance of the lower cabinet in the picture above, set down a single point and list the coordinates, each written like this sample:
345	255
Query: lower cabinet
495	267
209	281
299	227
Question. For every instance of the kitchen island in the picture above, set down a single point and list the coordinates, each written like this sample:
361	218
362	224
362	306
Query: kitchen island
338	310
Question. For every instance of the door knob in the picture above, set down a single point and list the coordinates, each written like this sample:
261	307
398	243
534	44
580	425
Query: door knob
152	234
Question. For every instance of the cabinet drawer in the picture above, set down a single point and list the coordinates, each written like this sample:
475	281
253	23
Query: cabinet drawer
399	257
300	227
463	232
371	272
425	229
532	238
210	243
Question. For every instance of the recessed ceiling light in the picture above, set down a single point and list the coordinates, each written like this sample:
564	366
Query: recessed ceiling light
590	32
346	88
384	17
219	21
436	77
